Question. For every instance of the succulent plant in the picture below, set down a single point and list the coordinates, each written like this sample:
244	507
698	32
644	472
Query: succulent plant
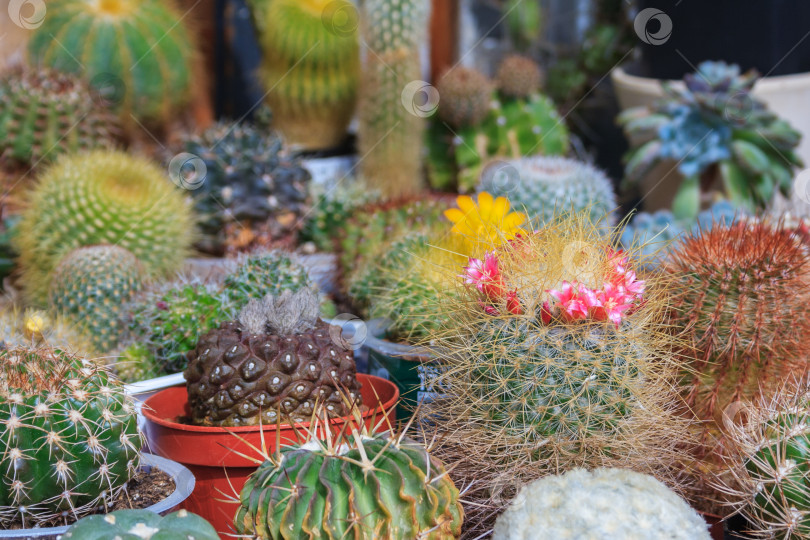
90	287
311	66
102	197
366	486
265	273
70	439
331	211
253	189
137	54
37	328
518	77
142	524
465	95
715	127
610	504
390	132
274	364
44	113
542	186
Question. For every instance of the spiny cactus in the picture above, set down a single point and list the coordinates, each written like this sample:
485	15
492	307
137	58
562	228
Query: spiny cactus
557	356
311	66
369	486
90	287
70	437
138	53
518	77
610	504
44	113
142	524
254	192
102	197
266	273
272	365
37	328
332	209
464	97
542	186
390	131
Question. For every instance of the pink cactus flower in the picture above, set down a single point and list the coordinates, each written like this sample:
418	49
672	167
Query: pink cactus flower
513	303
486	276
572	302
610	303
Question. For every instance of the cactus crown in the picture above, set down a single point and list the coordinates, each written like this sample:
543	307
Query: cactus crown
290	312
465	95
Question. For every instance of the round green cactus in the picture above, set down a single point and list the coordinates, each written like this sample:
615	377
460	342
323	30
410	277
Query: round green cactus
102	197
91	286
45	113
361	486
465	96
142	525
70	439
518	77
609	504
137	53
265	273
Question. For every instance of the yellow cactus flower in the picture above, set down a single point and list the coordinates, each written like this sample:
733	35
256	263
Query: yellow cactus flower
487	221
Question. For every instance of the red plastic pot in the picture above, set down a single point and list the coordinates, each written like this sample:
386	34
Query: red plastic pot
220	458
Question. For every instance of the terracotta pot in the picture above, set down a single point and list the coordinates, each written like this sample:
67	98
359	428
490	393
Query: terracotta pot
223	458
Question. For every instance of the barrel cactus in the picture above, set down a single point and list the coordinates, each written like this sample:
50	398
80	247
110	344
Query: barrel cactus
390	130
137	54
260	274
518	77
70	440
90	287
142	525
542	186
609	504
102	197
365	486
311	66
44	113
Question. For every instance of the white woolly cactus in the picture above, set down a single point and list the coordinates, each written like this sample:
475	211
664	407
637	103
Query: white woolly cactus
603	504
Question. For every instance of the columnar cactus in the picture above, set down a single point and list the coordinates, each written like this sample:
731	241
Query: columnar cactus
366	486
69	441
138	54
102	197
609	504
390	132
44	113
311	66
142	524
91	286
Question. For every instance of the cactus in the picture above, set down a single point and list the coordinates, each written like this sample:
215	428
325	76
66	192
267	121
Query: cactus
90	287
45	113
556	356
265	273
366	486
70	438
332	209
138	53
518	77
311	66
610	504
253	189
464	97
274	364
142	524
541	186
102	197
36	328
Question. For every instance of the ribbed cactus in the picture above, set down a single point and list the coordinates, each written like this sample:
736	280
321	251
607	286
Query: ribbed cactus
266	273
310	66
391	119
37	328
102	197
542	186
70	437
90	287
142	524
137	54
355	484
609	504
44	113
518	77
